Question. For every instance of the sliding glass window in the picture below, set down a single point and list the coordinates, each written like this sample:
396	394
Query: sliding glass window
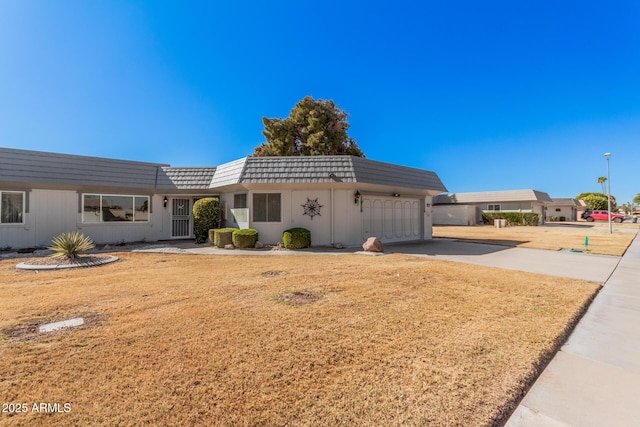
98	208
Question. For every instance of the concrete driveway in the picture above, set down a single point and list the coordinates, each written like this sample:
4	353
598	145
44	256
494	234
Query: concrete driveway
595	268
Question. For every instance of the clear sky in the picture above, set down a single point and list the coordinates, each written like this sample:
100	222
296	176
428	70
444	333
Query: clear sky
491	95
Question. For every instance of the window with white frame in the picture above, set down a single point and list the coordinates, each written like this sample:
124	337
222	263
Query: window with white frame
493	207
98	208
12	207
267	207
240	201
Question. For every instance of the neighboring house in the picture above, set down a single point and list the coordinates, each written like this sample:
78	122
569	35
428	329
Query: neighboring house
563	209
341	199
467	208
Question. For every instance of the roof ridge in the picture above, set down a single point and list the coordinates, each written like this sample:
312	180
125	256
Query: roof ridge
353	169
244	168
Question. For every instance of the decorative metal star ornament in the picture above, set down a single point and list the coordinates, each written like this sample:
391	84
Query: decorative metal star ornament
312	207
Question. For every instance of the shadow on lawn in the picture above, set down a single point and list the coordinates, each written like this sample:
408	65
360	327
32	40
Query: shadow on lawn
446	246
499	242
568	224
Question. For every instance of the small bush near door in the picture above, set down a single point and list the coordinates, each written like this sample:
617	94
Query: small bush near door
222	236
296	238
206	215
245	238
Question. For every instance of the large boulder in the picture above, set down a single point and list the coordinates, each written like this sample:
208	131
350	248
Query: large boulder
372	245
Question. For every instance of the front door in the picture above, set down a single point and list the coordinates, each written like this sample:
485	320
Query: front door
180	218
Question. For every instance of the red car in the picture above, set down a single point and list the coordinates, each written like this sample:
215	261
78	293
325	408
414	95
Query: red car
601	216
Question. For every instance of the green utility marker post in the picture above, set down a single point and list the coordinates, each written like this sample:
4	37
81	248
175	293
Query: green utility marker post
586	243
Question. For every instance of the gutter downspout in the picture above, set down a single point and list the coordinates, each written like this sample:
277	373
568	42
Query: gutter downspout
331	217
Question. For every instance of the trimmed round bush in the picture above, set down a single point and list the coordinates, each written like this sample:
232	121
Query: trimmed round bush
245	238
296	238
223	236
206	215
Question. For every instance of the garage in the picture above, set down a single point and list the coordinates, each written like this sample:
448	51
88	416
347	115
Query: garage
392	219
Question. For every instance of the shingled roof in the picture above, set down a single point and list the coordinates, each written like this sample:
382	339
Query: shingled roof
185	178
53	170
492	196
323	169
567	202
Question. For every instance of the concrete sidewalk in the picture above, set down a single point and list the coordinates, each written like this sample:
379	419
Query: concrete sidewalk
594	380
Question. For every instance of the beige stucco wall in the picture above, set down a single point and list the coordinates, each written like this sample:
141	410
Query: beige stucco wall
52	212
569	212
340	219
455	215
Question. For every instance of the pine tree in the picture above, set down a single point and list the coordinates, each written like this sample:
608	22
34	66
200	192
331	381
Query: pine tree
314	128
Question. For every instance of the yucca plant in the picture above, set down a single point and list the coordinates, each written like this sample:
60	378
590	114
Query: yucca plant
70	245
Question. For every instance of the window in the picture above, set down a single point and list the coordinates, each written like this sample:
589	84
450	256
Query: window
266	207
240	201
558	210
11	207
98	208
493	207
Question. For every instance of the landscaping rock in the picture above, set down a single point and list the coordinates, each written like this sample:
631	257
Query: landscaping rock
372	245
259	245
338	246
229	247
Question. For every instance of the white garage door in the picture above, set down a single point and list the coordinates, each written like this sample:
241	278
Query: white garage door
391	219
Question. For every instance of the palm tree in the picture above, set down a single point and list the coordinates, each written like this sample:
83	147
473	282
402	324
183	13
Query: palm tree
602	180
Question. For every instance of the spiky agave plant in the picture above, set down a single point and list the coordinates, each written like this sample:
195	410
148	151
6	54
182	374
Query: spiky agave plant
70	245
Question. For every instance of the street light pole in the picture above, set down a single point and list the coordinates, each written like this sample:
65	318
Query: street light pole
608	155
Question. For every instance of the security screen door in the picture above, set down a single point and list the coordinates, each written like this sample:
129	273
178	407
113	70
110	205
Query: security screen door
181	218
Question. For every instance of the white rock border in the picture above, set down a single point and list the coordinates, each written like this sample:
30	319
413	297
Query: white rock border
25	266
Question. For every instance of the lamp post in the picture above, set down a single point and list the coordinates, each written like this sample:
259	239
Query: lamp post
608	156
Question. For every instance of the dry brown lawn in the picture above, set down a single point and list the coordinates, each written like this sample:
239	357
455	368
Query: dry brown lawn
204	340
552	237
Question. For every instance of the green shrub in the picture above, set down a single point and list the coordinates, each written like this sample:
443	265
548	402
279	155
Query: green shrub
296	238
513	218
597	201
206	215
245	238
554	218
70	245
223	236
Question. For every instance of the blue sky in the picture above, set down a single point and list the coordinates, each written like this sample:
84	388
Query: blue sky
491	95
